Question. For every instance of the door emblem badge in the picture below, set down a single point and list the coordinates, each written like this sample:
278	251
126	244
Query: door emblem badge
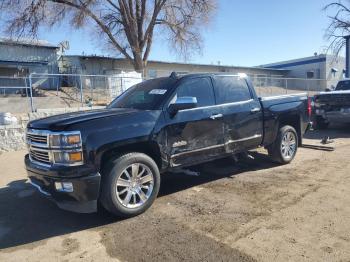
179	143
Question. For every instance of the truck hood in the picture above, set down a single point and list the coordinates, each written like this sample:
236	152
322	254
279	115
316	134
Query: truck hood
63	121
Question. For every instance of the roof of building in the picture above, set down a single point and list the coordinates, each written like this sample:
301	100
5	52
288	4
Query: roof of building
297	62
176	63
27	42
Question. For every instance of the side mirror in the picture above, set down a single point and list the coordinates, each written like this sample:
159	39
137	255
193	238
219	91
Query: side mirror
182	103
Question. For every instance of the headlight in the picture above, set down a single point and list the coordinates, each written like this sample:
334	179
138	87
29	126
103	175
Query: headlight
68	158
65	140
66	148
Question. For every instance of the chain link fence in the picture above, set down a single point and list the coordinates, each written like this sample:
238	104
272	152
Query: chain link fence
272	86
77	92
54	91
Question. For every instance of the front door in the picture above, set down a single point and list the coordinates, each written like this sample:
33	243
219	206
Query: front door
195	135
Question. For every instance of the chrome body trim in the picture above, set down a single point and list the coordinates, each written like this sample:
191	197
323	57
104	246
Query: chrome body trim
244	139
48	134
217	146
304	95
35	148
39	189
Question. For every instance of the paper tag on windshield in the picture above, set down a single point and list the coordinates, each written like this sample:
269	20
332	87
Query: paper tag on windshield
157	91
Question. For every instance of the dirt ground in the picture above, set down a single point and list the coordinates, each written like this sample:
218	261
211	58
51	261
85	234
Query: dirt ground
250	211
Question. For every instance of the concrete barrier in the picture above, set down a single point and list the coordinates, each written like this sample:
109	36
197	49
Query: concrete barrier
12	137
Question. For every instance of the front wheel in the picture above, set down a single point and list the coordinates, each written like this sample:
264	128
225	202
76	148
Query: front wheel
285	147
130	184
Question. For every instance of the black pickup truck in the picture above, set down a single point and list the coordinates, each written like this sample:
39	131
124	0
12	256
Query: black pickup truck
333	106
114	156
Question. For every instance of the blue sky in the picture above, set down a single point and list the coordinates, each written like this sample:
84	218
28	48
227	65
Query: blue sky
245	33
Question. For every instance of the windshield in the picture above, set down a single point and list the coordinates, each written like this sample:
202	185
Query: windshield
343	85
147	95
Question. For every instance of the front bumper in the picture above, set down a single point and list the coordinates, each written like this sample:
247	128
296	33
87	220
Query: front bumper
83	198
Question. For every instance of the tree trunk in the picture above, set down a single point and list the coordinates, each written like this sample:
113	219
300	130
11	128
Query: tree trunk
138	64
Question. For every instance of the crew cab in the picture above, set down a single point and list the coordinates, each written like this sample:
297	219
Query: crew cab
333	106
114	156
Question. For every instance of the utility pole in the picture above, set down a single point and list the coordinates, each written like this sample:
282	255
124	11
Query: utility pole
347	56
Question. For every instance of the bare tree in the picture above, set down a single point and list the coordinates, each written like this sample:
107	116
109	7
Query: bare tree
339	26
129	26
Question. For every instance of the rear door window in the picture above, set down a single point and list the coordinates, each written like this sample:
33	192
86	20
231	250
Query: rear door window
230	89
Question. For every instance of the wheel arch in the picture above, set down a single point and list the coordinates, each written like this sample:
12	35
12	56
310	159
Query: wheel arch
294	121
149	148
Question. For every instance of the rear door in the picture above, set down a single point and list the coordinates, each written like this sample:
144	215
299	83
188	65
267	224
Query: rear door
242	112
195	135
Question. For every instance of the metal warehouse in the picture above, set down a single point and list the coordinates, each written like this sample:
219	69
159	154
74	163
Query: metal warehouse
100	65
22	57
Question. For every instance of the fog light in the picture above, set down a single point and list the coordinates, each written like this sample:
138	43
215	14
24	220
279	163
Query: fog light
64	187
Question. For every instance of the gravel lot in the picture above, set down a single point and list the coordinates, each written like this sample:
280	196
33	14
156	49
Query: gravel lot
250	211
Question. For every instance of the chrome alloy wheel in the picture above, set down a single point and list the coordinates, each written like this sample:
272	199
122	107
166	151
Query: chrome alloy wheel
288	145
134	185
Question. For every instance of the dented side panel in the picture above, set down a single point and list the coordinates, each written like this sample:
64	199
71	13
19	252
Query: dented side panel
192	136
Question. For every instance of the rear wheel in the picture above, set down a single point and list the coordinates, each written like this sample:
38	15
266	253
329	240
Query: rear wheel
130	184
285	147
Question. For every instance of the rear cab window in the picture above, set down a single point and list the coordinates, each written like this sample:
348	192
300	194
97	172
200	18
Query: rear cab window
343	85
231	89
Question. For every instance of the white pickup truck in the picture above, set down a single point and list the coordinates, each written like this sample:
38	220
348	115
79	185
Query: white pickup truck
333	106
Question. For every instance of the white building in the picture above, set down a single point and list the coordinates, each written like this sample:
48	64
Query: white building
325	68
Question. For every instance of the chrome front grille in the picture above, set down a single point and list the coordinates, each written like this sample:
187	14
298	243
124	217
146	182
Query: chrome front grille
37	137
43	150
39	155
38	146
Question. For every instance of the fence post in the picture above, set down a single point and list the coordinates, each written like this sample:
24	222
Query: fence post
81	91
25	81
31	93
286	86
57	85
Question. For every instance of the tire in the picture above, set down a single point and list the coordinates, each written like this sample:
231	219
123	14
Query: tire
320	123
138	179
279	151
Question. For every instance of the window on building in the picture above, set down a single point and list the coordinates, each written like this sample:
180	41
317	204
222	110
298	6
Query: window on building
200	88
230	89
310	74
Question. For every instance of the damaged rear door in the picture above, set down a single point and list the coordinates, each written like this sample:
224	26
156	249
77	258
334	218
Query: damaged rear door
243	114
195	135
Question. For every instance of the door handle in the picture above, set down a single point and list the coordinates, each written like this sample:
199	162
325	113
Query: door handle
216	116
255	110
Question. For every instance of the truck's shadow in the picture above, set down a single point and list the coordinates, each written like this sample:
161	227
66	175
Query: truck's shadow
26	216
334	131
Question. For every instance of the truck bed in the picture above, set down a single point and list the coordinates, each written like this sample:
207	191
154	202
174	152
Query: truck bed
279	109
